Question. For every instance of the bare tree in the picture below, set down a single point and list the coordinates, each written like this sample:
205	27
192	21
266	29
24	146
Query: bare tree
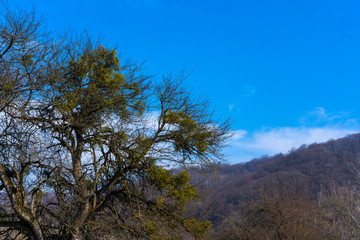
287	212
87	139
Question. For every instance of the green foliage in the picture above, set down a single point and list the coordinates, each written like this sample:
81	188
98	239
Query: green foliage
94	88
181	119
150	228
199	229
190	135
177	185
181	190
160	177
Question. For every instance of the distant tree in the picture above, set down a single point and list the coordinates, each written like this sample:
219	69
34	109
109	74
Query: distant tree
341	206
280	214
88	142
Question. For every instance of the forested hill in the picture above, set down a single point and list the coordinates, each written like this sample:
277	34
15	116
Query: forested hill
316	167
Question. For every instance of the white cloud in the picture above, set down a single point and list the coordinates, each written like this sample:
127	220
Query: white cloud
284	139
244	146
238	134
315	127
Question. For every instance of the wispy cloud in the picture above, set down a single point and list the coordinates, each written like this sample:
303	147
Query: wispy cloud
320	117
231	107
248	90
238	134
353	34
245	91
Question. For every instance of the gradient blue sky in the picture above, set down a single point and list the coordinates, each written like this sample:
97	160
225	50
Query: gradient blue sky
286	72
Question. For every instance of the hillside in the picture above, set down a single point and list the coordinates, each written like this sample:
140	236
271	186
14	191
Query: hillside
316	168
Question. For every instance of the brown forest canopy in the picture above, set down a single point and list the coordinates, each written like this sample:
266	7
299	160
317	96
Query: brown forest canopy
312	171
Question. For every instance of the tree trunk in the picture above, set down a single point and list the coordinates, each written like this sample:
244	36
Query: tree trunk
19	206
22	227
81	187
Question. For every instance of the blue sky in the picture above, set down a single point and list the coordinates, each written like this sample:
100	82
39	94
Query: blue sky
285	72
